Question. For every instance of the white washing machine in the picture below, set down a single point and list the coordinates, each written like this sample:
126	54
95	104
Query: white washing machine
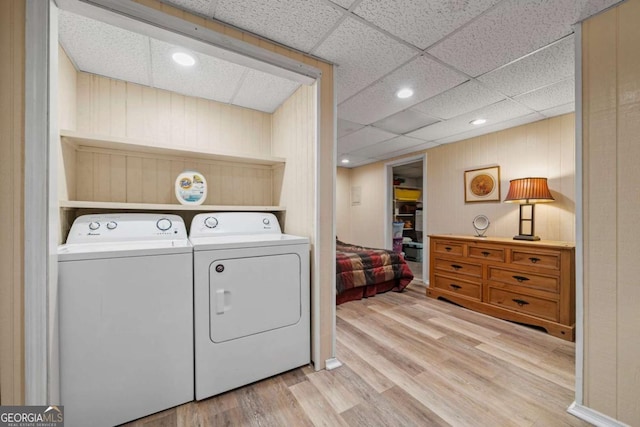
126	318
252	308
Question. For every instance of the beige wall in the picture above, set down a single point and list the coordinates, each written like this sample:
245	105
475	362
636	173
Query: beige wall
611	155
115	109
544	148
343	204
120	109
12	26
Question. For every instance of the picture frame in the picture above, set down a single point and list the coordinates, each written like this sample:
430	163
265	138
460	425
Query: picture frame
482	185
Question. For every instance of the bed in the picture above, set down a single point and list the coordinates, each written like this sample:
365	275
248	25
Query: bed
364	272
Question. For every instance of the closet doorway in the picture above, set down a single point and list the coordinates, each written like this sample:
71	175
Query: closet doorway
406	204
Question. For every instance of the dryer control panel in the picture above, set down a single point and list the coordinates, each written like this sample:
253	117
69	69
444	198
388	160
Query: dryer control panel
126	227
234	223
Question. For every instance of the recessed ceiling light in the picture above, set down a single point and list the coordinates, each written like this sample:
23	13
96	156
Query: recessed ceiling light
184	59
404	93
345	161
478	121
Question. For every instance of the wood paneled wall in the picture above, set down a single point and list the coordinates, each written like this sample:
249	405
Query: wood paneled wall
343	204
367	217
12	68
611	155
115	176
109	107
116	108
294	135
544	148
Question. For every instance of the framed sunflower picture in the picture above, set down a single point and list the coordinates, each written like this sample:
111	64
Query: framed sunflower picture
482	185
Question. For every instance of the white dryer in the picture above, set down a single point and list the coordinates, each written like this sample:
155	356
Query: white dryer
126	318
251	300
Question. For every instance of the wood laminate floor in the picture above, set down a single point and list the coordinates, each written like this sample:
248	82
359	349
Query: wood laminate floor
408	361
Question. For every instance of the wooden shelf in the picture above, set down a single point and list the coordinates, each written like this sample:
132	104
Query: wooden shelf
80	139
79	204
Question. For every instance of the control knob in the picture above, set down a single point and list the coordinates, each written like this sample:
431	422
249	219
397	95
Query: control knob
266	221
111	225
94	225
163	224
211	222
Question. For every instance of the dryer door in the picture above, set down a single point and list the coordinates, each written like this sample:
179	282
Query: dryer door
252	295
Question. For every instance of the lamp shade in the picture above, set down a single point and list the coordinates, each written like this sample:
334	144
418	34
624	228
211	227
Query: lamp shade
528	190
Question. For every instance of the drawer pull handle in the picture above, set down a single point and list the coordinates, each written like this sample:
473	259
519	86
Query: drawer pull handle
520	302
485	253
520	279
534	259
454	286
447	248
456	267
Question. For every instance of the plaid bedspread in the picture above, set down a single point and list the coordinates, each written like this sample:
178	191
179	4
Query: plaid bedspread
360	266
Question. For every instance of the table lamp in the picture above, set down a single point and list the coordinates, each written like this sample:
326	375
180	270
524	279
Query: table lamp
528	192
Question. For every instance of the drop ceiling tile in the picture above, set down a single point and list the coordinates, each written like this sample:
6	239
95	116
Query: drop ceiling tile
518	121
549	65
426	76
561	109
354	162
390	146
264	92
346	127
461	99
421	22
495	113
298	24
509	31
363	55
362	138
550	96
103	49
416	148
209	78
405	121
343	3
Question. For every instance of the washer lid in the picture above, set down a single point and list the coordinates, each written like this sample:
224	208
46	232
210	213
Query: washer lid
83	251
246	241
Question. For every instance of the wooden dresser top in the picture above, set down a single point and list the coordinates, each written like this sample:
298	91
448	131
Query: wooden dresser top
507	241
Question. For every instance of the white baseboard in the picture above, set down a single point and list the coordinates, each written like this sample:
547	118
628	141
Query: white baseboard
594	417
332	363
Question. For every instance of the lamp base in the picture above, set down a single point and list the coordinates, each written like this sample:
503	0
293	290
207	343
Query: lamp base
525	237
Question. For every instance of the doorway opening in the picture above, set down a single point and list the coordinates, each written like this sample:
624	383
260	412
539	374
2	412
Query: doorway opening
406	183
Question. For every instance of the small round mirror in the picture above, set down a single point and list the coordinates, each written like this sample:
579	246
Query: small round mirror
480	223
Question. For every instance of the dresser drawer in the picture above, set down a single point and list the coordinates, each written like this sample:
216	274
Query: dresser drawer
538	307
450	248
488	254
457	286
524	278
536	259
455	266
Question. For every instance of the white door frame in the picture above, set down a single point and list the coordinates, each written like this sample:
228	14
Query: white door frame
388	215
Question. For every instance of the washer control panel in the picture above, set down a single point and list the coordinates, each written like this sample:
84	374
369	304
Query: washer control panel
234	223
126	227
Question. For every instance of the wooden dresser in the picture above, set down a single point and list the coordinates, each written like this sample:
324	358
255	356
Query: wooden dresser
525	282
